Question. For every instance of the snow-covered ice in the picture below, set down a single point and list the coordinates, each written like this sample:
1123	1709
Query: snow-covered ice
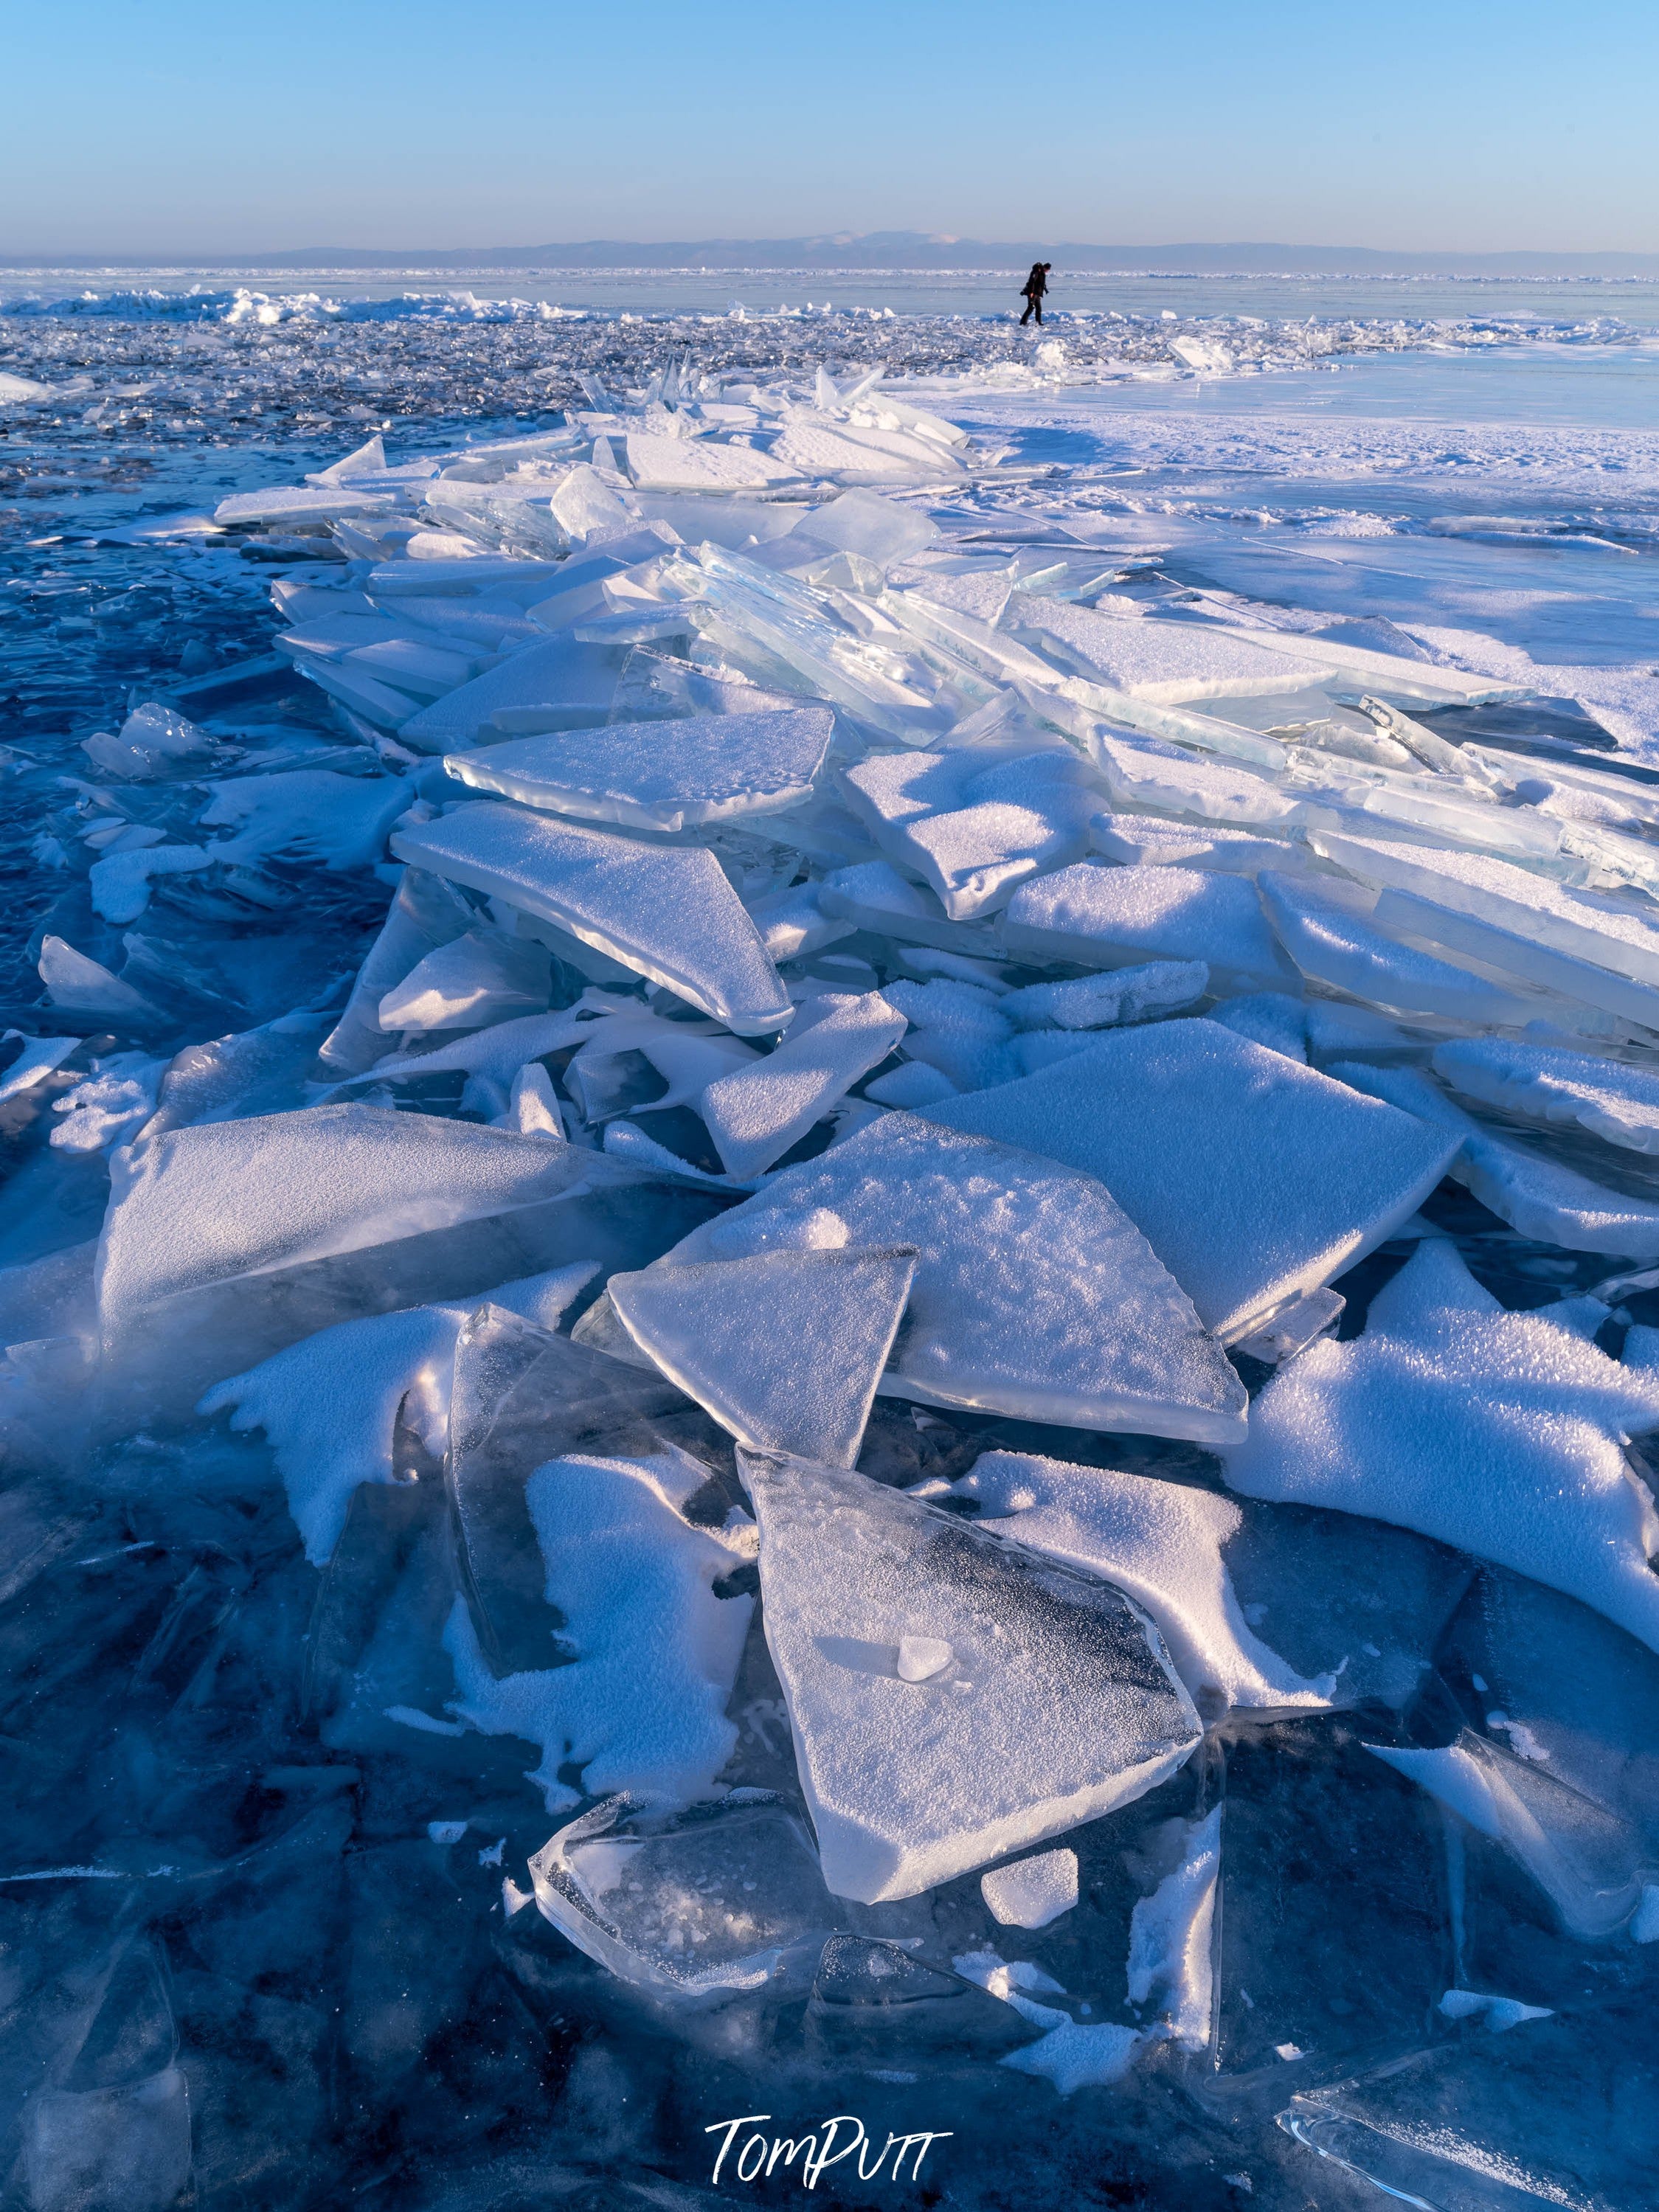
913	928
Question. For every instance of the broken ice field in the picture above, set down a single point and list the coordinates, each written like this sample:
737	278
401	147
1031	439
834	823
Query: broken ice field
819	1300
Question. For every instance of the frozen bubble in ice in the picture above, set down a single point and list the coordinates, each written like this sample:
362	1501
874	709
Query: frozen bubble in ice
665	911
1058	1704
1253	1179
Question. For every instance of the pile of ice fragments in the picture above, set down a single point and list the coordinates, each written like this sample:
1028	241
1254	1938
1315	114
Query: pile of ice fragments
782	1280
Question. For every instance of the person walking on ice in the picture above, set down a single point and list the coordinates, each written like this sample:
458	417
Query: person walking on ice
1036	285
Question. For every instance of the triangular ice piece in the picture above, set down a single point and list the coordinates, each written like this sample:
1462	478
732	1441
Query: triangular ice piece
666	912
1056	1704
666	775
1253	1178
574	683
783	1348
1033	1295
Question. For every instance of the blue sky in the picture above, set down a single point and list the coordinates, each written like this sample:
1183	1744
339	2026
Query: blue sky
175	126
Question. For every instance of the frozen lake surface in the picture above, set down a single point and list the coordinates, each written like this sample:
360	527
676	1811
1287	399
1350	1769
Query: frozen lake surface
830	1241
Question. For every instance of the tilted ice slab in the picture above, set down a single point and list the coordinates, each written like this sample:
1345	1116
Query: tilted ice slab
1171	1938
1107	917
1160	1541
1141	772
756	1113
973	832
666	775
1325	927
1539	1197
483	976
665	911
784	1348
1560	1089
232	1199
641	1708
571	684
1057	1703
1498	1433
1168	662
1034	1295
1253	1179
1576	1852
1152	841
1609	933
1098	1002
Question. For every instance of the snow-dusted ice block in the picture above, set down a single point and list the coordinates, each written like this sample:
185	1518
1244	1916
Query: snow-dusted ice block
574	684
783	1348
1253	1178
1498	1433
1118	995
1169	662
1108	917
1057	1703
1610	933
1545	1084
757	1112
665	911
1153	841
1325	927
1540	1197
1033	1295
658	462
666	775
970	831
231	1199
1160	1541
792	924
1031	1892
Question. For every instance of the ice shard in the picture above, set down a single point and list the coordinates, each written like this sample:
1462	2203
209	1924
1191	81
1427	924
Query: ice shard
667	776
1253	1179
784	1348
1058	1702
666	913
1034	1294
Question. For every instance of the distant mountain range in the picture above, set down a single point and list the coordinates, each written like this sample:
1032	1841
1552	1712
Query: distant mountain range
898	249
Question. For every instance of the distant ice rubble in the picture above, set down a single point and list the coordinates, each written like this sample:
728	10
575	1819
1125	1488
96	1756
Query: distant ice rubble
845	1047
